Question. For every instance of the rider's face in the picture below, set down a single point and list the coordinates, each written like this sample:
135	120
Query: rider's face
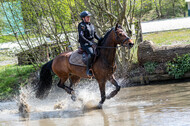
87	19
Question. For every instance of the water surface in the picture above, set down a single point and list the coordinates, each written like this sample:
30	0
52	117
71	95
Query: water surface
153	105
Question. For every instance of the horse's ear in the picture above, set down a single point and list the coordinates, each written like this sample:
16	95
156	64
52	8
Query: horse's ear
130	32
116	26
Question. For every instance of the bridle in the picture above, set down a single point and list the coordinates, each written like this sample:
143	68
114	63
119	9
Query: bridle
117	38
126	39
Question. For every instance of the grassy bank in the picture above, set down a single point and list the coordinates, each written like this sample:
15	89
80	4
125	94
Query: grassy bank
169	37
7	38
11	38
11	77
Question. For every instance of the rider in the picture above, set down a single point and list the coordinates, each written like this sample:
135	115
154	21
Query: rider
87	34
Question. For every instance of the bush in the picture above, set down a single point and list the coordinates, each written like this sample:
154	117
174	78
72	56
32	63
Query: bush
150	67
179	66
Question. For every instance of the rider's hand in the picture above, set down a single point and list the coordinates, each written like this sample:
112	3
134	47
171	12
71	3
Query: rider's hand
101	39
93	45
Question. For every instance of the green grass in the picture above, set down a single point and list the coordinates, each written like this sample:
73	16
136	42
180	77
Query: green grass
11	38
7	38
169	37
11	77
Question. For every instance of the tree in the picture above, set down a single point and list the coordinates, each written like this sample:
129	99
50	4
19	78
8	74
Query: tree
57	20
2	22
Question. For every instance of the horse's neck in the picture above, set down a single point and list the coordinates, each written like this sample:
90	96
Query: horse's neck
108	54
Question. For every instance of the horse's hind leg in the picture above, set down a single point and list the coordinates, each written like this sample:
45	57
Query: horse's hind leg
73	80
66	88
114	82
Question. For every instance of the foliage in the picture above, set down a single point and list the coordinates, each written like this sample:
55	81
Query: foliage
2	23
150	67
50	13
11	77
179	66
156	9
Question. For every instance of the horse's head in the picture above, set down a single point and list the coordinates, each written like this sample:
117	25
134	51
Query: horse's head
122	38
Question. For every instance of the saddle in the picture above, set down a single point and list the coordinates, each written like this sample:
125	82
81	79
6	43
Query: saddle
79	57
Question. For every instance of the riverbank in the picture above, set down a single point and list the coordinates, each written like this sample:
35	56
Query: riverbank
11	78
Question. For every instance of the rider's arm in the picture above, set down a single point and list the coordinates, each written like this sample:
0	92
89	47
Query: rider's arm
81	34
96	36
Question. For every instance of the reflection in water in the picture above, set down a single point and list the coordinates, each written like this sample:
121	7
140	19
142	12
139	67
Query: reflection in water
154	105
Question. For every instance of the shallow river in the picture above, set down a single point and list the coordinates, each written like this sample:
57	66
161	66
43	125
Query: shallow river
152	105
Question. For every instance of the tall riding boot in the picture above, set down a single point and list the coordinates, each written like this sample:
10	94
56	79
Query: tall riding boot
89	64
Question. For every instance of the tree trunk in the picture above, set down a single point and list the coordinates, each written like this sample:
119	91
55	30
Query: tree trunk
173	4
157	10
160	5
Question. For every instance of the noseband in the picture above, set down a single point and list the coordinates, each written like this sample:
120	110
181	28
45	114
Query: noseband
122	43
126	39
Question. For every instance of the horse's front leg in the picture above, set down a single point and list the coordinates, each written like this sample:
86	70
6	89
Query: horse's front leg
114	92
102	93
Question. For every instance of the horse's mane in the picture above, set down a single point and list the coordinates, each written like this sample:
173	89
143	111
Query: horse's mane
100	43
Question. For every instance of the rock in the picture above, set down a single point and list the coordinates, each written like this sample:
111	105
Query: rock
149	52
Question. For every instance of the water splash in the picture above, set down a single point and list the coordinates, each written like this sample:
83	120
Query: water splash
87	93
57	104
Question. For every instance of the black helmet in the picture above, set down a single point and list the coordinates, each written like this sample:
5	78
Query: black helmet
84	14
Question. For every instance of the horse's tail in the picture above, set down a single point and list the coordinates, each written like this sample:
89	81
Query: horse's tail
44	85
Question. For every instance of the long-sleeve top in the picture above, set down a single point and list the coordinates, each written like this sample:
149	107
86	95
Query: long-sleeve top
87	34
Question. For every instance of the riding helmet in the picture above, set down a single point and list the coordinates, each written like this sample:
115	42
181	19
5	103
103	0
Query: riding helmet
84	14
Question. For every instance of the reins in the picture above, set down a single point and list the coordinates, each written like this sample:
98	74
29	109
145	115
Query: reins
102	47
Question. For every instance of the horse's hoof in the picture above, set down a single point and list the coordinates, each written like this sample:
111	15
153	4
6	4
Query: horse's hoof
99	106
73	97
108	97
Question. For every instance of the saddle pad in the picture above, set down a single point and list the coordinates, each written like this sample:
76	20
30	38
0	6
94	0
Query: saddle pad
76	59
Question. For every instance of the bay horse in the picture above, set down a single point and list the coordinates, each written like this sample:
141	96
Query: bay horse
103	68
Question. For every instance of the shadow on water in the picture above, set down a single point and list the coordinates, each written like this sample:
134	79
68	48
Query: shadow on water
62	113
53	114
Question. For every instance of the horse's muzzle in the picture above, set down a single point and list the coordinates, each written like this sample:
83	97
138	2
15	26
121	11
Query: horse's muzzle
131	45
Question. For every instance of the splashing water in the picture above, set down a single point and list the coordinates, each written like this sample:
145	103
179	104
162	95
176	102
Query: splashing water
57	104
87	93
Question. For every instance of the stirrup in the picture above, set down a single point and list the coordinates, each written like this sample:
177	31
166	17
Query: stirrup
89	73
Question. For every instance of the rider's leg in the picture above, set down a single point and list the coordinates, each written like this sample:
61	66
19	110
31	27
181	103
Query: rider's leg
89	62
90	52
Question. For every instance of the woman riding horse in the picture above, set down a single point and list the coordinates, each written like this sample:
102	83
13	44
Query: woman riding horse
87	34
103	68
